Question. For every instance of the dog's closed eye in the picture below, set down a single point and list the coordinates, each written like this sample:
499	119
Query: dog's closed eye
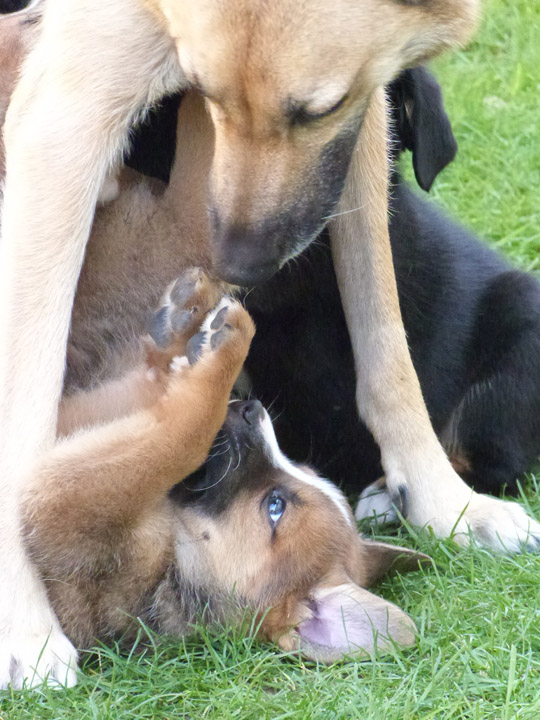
302	115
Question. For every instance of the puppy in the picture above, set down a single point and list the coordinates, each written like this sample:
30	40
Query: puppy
283	146
249	536
473	325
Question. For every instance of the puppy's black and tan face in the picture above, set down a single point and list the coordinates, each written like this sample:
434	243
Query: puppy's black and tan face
282	542
247	502
287	85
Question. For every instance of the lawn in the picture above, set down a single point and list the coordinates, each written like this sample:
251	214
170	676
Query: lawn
478	651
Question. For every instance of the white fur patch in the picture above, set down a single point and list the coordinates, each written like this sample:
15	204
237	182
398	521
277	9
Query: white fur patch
375	504
279	460
178	363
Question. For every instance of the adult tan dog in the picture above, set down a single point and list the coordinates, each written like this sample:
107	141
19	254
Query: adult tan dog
249	538
288	100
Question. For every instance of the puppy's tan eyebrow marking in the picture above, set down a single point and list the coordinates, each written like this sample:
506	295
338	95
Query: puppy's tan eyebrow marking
332	492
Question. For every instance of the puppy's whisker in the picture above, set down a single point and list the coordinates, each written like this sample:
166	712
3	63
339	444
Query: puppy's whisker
247	295
275	418
220	444
220	479
271	405
218	454
238	462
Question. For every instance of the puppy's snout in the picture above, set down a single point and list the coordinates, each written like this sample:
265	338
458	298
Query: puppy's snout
246	413
252	412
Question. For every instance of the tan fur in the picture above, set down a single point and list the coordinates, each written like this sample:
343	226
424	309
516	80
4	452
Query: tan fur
65	99
113	547
97	518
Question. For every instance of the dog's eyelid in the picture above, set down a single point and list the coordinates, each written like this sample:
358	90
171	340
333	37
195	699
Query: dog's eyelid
301	115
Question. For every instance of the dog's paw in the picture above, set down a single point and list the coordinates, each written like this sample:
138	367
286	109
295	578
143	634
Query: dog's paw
501	525
228	325
451	508
185	304
29	660
375	504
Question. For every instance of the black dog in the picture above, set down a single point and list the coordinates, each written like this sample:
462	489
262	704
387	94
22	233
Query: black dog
473	323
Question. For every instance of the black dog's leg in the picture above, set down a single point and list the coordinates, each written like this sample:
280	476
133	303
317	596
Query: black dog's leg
494	433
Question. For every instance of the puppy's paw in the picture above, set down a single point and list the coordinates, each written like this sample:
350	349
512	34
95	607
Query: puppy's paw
29	660
227	327
185	305
375	504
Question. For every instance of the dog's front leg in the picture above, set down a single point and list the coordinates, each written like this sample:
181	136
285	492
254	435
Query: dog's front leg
419	477
93	67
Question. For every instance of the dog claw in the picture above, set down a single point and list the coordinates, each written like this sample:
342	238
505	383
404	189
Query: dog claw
401	500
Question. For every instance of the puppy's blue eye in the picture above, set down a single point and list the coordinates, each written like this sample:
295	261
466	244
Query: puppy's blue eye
276	507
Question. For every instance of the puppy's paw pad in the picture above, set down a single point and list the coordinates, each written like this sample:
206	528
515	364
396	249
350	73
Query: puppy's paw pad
213	332
160	327
195	347
226	321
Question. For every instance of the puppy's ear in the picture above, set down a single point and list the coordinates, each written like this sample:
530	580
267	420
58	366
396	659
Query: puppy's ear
421	124
346	620
373	560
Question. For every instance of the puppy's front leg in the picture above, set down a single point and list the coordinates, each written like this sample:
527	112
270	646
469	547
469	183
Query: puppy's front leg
186	303
86	493
419	477
79	91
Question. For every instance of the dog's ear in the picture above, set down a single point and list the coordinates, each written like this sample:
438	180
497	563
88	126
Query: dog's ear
421	124
373	560
346	620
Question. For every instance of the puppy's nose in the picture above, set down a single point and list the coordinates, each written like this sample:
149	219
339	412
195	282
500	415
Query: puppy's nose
252	411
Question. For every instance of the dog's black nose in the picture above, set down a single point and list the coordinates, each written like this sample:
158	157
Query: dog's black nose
251	411
245	276
244	255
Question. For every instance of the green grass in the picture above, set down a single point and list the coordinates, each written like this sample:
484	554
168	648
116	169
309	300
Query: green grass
478	652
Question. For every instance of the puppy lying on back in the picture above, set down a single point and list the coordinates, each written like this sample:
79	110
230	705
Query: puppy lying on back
288	134
142	240
248	533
